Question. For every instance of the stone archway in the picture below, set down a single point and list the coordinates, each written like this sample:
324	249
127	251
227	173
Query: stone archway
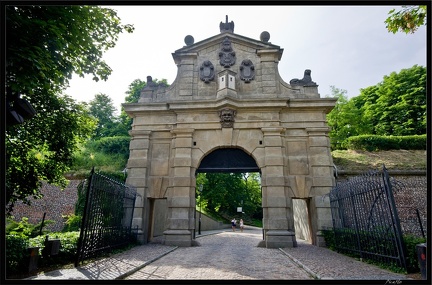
240	103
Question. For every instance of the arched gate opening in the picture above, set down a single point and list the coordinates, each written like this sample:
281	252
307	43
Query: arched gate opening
232	164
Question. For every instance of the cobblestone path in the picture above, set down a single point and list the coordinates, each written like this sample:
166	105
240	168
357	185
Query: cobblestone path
227	255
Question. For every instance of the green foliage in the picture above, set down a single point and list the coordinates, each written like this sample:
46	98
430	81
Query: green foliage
224	192
348	239
397	105
329	238
375	142
86	159
16	253
24	228
102	108
41	149
45	45
82	194
411	243
67	251
407	20
394	107
111	145
72	223
345	120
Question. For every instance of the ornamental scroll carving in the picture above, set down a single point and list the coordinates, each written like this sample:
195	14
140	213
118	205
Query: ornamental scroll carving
247	71
227	55
207	71
227	117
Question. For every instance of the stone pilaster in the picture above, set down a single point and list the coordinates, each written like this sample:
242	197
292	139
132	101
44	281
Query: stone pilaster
278	220
137	167
181	200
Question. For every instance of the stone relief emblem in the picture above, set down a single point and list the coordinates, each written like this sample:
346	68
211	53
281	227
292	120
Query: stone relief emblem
227	117
247	71
207	71
305	81
226	55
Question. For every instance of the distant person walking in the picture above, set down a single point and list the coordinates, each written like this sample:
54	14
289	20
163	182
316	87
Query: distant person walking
233	224
241	225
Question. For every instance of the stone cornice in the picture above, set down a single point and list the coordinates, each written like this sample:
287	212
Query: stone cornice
326	104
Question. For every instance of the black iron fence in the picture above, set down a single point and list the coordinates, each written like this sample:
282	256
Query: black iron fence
365	218
107	218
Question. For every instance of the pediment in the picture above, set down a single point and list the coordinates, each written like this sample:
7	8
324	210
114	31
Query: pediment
253	44
217	39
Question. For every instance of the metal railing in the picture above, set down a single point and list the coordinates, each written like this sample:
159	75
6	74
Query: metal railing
365	218
107	218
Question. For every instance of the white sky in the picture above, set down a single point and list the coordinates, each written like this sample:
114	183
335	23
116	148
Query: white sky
345	46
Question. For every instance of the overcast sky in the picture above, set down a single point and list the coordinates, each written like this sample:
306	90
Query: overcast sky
344	46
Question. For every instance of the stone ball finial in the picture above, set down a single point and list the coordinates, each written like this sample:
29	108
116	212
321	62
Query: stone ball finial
265	36
189	40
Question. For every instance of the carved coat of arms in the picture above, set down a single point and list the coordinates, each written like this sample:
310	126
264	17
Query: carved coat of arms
207	71
247	71
226	55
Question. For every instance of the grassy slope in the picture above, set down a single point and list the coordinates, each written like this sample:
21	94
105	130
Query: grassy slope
356	160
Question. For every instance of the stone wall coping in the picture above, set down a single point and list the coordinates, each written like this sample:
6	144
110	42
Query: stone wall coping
397	172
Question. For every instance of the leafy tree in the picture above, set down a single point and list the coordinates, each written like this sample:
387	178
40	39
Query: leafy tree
41	149
407	20
102	108
345	119
224	192
397	105
45	45
252	196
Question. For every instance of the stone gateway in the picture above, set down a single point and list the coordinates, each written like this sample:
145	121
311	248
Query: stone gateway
228	98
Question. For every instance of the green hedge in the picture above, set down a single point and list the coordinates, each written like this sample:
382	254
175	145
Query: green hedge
375	142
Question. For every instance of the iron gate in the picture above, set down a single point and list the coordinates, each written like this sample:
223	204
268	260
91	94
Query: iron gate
107	217
365	218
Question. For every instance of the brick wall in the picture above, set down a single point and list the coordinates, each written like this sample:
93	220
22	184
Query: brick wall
55	203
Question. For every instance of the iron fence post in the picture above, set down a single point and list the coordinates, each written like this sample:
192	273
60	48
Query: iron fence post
395	217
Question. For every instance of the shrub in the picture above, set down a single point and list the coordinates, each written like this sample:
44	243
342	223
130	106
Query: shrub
112	145
16	254
329	238
411	243
67	251
375	142
24	228
72	223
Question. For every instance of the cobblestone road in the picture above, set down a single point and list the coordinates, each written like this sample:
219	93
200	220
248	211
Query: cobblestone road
227	255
